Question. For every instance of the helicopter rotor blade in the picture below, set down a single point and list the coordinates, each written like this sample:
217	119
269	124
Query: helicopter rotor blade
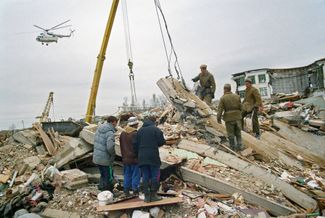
40	28
59	25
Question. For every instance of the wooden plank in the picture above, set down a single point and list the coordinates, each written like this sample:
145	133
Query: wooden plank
137	204
288	190
223	187
46	139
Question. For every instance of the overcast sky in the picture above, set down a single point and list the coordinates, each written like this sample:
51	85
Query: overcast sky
229	36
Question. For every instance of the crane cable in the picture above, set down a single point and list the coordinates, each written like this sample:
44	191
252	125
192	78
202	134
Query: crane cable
129	52
172	52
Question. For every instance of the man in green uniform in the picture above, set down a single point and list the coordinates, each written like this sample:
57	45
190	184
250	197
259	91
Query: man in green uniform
252	104
207	83
230	107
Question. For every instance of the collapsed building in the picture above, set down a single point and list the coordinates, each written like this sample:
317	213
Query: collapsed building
270	81
51	173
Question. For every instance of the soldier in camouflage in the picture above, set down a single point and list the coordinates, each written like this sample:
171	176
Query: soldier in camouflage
229	109
207	83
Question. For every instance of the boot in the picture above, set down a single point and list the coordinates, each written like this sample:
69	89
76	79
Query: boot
153	191
146	191
239	143
127	192
231	143
135	192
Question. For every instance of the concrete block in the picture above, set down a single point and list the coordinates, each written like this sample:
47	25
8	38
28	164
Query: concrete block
74	178
28	163
73	149
27	136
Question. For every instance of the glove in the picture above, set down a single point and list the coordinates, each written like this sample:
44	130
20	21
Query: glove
193	80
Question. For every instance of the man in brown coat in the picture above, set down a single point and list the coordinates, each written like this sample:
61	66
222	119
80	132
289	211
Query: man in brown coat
230	107
252	104
207	83
131	169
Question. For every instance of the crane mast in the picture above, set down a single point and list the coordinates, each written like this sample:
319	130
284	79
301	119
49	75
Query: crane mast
45	114
100	63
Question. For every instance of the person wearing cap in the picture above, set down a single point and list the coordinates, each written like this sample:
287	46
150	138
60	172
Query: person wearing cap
104	153
131	169
229	109
207	84
147	142
252	104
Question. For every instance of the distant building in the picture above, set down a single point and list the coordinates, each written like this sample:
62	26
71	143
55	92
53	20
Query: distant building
286	80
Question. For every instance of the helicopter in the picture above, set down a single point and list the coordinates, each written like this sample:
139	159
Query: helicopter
47	37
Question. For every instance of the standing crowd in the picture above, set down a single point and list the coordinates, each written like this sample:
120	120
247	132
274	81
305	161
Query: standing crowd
140	147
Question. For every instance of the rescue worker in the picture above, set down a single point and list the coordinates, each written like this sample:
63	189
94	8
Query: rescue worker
252	104
104	153
131	169
148	140
207	84
229	109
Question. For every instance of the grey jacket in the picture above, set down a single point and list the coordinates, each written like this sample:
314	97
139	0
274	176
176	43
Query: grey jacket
104	145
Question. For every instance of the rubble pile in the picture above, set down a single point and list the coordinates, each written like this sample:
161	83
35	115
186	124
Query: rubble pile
46	172
308	114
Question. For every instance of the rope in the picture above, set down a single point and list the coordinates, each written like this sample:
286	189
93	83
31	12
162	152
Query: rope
172	52
168	57
129	51
127	31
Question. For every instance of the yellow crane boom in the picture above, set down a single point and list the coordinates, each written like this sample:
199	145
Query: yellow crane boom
100	63
45	114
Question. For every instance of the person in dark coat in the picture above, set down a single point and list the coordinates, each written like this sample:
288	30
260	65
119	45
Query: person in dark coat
104	153
147	142
132	174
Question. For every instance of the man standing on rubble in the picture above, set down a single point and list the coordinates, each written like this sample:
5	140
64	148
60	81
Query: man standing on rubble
252	104
104	153
147	142
131	169
230	107
207	84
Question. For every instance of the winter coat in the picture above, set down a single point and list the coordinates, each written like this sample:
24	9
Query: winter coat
104	145
231	106
252	99
126	143
147	142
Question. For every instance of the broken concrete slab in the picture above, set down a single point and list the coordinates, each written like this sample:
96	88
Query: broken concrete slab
288	190
73	149
224	187
87	133
28	163
27	136
74	178
314	144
